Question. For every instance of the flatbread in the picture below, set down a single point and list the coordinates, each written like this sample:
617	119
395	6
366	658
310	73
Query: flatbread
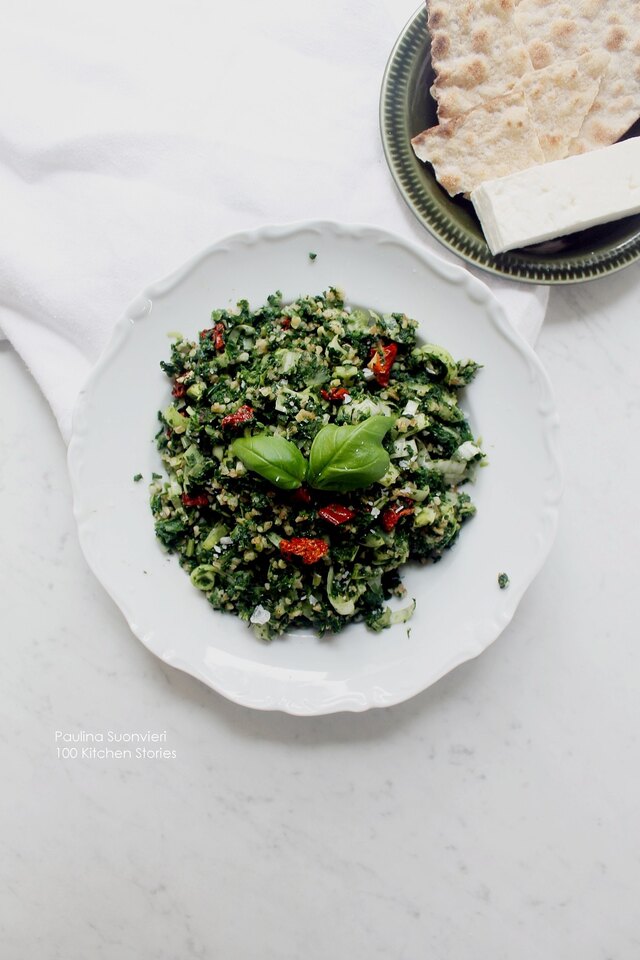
617	106
559	98
523	82
492	140
475	51
556	30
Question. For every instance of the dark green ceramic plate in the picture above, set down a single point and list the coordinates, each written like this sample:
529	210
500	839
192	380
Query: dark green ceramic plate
407	108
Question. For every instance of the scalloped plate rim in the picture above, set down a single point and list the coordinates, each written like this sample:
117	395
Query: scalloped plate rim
354	701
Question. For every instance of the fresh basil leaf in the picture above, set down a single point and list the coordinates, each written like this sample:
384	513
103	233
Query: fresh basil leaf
277	460
349	457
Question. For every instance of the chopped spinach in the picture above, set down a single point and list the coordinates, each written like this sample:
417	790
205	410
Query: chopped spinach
330	554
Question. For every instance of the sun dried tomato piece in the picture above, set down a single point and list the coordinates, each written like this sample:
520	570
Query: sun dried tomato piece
309	549
197	500
179	390
391	514
336	513
301	495
215	333
337	393
382	359
285	323
218	336
243	414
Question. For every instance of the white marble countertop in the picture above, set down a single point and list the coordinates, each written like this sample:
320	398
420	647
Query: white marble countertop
494	816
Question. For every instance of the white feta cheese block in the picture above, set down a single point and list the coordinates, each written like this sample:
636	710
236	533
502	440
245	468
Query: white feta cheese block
561	197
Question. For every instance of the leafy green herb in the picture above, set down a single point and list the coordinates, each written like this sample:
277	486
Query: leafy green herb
170	531
349	457
137	477
277	460
312	256
503	580
467	370
281	359
341	458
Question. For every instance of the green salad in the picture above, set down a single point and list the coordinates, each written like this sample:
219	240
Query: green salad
311	449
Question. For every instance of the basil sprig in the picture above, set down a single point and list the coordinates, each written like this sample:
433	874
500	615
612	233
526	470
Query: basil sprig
277	460
342	458
348	457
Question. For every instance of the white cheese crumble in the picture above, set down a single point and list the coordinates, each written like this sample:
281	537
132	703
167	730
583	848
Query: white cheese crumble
406	449
225	541
411	408
367	373
375	512
260	615
467	450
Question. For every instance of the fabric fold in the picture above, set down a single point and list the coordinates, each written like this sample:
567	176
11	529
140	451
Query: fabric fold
138	134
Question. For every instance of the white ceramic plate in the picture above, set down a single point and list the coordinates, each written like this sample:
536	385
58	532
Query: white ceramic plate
460	609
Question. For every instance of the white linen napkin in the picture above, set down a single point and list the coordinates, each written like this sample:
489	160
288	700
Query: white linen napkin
134	133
